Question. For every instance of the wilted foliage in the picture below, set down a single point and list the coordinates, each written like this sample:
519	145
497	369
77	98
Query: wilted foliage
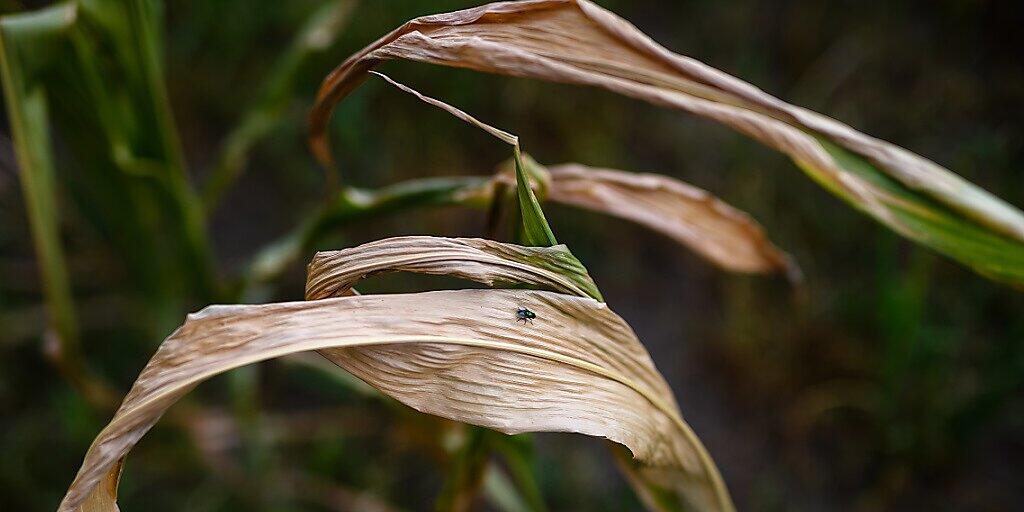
539	350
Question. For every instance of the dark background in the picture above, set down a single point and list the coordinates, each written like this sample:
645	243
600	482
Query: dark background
891	380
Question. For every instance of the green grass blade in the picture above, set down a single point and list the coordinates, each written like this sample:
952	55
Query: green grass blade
536	230
27	111
99	76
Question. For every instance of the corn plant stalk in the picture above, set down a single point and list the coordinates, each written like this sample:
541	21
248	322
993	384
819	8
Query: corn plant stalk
27	111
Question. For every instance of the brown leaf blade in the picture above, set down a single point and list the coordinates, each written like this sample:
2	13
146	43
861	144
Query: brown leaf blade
577	42
463	355
691	216
334	273
456	354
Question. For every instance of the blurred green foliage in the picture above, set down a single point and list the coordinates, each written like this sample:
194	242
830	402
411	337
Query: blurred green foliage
893	379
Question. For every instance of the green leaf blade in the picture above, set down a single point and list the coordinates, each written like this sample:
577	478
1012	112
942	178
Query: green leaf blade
536	230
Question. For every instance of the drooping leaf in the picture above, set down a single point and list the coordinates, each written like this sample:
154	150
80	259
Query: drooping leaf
334	273
720	233
577	42
456	354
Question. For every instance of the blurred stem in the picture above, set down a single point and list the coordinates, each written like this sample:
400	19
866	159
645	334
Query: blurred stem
466	473
244	389
96	391
27	111
318	34
517	452
144	19
500	492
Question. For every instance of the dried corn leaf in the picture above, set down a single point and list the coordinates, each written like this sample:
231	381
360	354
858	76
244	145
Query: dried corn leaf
691	216
577	42
456	354
497	133
535	229
461	355
334	273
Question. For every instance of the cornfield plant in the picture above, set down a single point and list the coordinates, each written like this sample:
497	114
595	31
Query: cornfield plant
537	349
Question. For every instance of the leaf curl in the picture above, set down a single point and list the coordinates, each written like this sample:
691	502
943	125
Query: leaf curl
456	354
727	237
459	354
577	42
334	273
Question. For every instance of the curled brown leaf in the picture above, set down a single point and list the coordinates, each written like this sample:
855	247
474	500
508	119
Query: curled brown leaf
461	355
720	233
334	273
456	354
577	42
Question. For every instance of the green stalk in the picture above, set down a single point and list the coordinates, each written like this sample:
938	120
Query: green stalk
27	111
190	208
466	473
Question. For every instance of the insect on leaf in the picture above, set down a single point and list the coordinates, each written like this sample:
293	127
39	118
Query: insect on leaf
456	354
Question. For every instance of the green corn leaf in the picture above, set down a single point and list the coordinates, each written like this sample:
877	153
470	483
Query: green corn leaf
352	204
536	231
925	219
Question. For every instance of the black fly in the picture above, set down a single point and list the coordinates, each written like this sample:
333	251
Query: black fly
525	315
